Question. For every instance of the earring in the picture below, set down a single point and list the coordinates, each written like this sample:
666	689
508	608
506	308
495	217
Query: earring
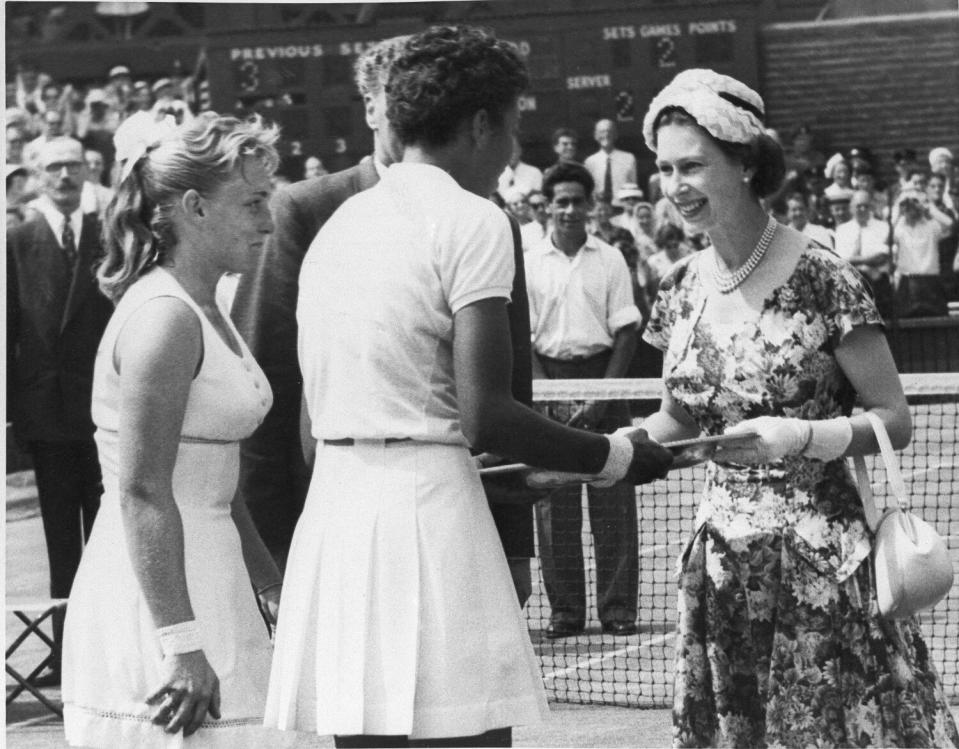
746	179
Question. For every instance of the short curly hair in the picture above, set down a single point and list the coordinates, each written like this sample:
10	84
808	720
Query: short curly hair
448	73
371	69
568	171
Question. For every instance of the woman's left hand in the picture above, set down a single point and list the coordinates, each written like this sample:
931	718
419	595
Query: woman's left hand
778	437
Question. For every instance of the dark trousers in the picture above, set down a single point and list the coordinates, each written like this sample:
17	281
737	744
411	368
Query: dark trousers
69	487
612	519
920	296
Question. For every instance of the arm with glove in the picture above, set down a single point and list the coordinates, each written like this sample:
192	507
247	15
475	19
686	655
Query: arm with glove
866	360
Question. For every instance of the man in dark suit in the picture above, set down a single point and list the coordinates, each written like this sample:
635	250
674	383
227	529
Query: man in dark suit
55	318
273	473
274	476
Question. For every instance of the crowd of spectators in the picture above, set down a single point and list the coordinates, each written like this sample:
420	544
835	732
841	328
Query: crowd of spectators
902	236
913	270
39	109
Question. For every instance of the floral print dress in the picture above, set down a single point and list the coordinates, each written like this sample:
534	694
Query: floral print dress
779	638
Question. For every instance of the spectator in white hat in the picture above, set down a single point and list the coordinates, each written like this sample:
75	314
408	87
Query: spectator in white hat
942	162
119	87
839	175
638	217
96	125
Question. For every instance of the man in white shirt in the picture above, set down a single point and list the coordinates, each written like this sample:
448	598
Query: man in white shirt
797	213
583	322
916	235
610	167
518	175
864	242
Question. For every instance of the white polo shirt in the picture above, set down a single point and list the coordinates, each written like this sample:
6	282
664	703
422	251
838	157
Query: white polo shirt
577	304
379	287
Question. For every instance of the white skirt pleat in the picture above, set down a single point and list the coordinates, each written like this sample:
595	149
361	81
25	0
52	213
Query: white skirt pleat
399	614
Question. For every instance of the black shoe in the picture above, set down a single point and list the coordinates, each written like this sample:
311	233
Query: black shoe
619	628
556	630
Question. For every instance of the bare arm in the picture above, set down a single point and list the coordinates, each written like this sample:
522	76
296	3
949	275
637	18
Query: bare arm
670	422
157	354
491	420
264	574
866	360
941	217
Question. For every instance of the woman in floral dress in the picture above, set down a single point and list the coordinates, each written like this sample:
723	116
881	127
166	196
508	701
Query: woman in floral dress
780	642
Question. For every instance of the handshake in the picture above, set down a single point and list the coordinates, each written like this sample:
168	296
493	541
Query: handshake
633	458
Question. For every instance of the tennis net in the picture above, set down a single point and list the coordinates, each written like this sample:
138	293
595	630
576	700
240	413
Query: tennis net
594	667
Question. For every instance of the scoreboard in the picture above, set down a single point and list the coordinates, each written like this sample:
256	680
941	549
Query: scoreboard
584	66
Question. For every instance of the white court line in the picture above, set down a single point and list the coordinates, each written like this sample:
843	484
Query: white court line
616	653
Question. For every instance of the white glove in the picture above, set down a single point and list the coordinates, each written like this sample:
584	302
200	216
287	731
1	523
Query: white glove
778	437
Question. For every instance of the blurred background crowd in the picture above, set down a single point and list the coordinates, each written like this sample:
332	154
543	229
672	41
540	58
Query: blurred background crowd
902	233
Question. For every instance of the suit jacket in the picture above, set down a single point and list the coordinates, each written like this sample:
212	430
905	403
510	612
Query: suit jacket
55	318
273	475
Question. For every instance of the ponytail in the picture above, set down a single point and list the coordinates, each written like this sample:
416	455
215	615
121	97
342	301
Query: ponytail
130	245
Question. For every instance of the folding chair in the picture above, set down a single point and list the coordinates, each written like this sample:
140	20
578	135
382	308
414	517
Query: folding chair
33	613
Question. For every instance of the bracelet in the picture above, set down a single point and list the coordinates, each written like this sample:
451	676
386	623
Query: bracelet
617	462
261	591
179	638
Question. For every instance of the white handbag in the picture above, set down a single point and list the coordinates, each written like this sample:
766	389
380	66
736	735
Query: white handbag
913	569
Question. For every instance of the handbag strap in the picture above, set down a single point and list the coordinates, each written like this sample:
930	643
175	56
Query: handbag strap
893	474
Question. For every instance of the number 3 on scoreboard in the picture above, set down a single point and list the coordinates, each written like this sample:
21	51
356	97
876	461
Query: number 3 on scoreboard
248	76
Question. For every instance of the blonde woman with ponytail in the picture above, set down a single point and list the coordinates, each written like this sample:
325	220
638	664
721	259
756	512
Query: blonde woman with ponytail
164	643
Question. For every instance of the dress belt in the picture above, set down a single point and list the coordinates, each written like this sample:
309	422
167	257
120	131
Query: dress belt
350	442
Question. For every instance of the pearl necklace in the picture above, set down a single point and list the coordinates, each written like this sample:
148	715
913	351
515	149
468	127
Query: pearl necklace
726	281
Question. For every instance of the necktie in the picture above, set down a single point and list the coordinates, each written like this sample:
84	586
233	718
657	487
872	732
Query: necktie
608	179
69	243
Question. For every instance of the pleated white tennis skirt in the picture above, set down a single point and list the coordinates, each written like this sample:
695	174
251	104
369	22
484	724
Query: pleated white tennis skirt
398	613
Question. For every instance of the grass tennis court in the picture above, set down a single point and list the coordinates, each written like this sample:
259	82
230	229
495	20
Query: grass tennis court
594	668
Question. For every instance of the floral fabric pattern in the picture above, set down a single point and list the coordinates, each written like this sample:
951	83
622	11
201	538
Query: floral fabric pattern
780	643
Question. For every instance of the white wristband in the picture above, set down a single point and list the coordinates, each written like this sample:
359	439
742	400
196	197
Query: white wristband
829	439
179	638
617	462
